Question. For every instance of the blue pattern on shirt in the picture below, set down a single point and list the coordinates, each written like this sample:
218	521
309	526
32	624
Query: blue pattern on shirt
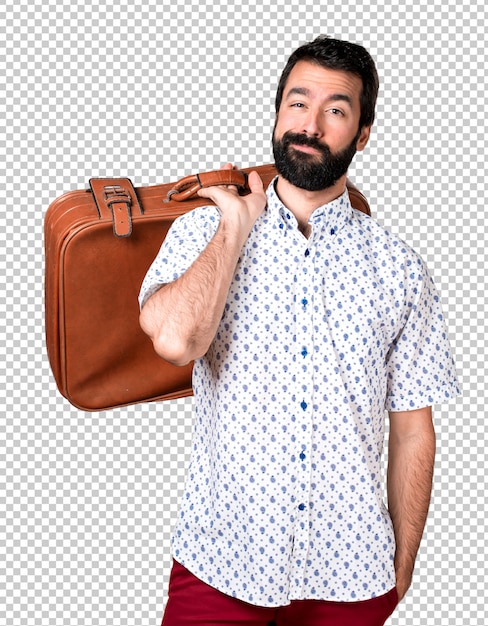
319	336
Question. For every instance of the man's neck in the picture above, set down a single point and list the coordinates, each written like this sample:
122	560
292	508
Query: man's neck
302	203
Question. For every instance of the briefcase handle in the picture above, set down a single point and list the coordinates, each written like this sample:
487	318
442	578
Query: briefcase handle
188	186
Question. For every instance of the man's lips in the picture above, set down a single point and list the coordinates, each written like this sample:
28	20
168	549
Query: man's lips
304	148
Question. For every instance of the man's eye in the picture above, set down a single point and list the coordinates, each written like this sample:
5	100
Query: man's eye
336	111
298	105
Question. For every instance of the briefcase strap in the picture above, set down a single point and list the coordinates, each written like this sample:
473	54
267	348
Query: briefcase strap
116	199
188	186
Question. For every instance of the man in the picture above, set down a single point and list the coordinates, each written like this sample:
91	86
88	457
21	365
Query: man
306	321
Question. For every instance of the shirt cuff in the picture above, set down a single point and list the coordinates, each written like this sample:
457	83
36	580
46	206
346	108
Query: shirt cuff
429	397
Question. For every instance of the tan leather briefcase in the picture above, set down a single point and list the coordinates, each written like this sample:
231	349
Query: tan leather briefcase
99	243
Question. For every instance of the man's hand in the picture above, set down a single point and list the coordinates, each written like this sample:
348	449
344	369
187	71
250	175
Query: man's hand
238	211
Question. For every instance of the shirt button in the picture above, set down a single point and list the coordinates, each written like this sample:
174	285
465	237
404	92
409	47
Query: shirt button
303	404
307	252
301	507
303	456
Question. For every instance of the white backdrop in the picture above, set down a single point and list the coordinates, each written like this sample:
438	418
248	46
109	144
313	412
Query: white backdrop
158	90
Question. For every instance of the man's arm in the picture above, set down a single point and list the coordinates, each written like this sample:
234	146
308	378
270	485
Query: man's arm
411	456
182	317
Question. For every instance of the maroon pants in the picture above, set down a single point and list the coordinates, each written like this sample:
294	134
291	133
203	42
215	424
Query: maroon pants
192	602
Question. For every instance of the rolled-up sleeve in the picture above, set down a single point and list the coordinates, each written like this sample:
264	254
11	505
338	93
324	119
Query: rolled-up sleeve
420	367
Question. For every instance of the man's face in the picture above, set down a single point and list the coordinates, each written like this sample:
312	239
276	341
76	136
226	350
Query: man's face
317	133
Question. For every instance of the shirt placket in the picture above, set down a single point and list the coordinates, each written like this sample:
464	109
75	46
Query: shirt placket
304	414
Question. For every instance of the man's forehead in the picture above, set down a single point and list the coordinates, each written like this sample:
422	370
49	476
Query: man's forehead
308	78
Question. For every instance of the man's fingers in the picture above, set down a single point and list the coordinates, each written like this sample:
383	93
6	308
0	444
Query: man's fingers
227	198
229	166
255	183
213	193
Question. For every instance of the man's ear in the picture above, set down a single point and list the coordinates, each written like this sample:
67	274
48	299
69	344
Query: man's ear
363	138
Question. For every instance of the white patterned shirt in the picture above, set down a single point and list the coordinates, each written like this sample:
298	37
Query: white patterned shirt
319	336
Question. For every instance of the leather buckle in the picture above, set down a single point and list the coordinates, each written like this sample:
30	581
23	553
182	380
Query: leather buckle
119	201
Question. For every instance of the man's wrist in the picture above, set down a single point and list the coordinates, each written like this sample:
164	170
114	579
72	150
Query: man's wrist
403	581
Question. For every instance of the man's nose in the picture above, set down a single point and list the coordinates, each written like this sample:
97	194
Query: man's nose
311	125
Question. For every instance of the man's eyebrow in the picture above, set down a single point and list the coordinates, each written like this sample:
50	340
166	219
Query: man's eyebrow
303	91
340	97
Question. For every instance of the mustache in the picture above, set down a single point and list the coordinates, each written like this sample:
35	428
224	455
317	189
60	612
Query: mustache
300	139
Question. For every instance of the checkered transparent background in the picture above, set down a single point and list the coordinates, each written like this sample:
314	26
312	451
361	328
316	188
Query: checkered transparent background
157	90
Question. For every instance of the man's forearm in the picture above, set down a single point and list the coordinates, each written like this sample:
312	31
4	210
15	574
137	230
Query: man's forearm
410	470
182	317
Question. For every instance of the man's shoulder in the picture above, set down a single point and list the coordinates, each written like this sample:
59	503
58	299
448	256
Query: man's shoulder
205	219
380	238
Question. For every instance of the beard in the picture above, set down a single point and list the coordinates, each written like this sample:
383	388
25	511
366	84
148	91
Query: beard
310	171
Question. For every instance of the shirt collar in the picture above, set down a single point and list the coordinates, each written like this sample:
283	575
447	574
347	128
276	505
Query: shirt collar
333	215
